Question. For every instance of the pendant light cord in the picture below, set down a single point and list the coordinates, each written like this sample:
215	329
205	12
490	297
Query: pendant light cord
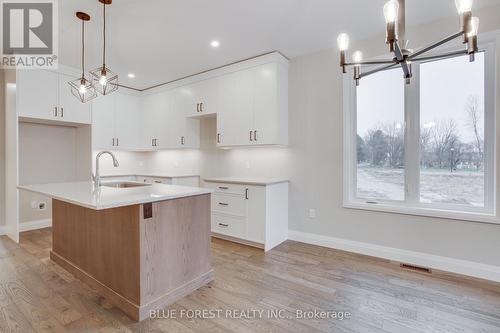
83	49
104	36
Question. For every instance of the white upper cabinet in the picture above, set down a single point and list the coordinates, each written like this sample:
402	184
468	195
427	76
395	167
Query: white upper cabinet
116	122
254	107
127	121
235	116
249	99
200	99
183	132
103	122
270	106
46	95
155	121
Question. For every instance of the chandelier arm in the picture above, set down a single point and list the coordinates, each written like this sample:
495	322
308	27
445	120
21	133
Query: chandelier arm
437	44
441	56
371	62
376	70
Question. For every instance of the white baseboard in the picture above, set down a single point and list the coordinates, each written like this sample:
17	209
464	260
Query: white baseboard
452	265
34	225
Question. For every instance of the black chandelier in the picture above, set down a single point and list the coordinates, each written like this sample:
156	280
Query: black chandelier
394	13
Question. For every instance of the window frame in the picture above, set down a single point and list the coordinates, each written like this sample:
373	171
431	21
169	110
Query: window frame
411	205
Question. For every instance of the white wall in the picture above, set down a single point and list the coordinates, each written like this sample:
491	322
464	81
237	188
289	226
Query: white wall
2	149
50	154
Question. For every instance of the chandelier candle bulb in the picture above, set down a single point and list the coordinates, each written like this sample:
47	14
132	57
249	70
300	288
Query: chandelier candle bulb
343	44
391	12
472	38
357	58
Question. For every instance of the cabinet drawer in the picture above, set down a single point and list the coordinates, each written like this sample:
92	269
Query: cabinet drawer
229	204
228	225
228	188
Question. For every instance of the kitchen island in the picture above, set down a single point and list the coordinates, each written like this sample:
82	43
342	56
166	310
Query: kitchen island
141	246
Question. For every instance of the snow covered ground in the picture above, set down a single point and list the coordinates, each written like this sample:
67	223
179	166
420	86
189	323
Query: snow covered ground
436	185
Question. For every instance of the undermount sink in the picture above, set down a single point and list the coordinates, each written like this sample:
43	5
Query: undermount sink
124	184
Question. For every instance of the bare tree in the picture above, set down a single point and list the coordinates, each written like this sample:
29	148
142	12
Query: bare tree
474	114
425	140
444	135
394	133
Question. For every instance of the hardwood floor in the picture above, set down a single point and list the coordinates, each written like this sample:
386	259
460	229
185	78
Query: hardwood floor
38	296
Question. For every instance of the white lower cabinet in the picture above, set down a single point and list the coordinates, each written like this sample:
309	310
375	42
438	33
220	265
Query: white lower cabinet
256	215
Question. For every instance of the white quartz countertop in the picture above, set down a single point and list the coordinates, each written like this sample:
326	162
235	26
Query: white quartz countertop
158	175
248	181
83	193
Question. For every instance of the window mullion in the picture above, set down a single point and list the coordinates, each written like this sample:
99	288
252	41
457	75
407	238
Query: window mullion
412	138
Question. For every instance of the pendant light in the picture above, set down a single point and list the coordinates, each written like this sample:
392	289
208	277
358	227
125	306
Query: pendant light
82	88
105	81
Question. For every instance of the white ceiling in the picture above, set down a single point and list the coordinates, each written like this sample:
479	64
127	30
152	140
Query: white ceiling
162	40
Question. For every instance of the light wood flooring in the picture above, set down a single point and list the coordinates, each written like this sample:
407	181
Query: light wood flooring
37	295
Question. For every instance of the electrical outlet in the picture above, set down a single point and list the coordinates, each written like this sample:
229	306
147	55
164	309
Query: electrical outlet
42	205
312	213
34	204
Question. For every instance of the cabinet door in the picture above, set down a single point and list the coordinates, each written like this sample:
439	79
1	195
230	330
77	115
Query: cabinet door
71	109
127	122
256	228
155	121
103	122
204	101
235	108
37	92
266	116
183	132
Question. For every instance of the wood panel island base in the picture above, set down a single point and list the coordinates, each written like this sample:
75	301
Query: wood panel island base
141	257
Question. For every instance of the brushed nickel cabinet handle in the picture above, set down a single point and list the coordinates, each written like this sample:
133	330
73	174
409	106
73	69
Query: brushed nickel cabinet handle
223	225
201	107
223	187
113	142
55	111
255	135
117	142
182	140
218	137
246	193
198	107
62	112
152	142
223	204
251	133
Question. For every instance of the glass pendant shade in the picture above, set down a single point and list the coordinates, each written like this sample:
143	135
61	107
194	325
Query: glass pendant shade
82	88
105	81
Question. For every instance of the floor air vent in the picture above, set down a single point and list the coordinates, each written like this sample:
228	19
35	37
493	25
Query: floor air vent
416	268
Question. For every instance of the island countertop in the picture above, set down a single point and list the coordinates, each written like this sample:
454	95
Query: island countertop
84	194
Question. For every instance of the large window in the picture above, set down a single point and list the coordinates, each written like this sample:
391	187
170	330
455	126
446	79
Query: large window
427	147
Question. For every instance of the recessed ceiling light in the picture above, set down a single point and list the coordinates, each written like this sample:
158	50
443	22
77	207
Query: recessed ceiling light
215	43
131	75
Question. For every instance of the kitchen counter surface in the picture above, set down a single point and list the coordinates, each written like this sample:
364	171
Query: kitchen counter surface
248	181
159	175
83	193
